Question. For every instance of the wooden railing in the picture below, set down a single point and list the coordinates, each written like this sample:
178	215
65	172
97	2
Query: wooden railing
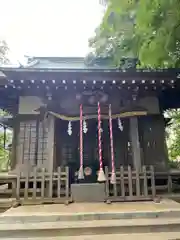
131	185
168	183
41	186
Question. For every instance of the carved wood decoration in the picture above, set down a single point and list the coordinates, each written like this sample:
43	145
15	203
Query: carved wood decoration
67	103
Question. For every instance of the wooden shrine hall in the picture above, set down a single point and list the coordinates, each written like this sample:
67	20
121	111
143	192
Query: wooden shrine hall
104	127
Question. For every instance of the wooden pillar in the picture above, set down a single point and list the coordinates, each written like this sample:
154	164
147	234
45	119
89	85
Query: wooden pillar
13	147
135	144
18	149
50	147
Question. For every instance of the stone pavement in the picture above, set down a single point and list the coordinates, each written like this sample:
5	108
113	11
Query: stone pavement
88	221
147	236
92	224
80	228
91	211
55	209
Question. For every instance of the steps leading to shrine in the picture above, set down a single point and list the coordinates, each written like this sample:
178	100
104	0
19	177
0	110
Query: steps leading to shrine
91	216
92	220
96	227
133	236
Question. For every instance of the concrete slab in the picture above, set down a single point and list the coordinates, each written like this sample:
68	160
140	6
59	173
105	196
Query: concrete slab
60	209
91	224
91	211
142	236
130	226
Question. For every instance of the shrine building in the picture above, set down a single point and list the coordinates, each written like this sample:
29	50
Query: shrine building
68	114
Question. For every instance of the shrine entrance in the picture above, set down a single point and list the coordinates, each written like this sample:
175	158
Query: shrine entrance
67	151
67	147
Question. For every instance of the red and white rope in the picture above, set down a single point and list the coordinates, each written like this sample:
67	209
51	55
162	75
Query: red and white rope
99	137
81	136
111	140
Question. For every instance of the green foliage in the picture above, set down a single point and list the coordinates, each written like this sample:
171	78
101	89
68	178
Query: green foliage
3	52
158	26
174	164
113	38
148	30
4	151
5	141
173	134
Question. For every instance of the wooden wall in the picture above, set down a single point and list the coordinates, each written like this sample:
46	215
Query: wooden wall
122	144
29	150
152	141
67	147
62	149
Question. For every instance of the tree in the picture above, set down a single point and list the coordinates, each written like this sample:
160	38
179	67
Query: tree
140	29
4	139
113	37
173	134
5	142
147	30
158	27
3	52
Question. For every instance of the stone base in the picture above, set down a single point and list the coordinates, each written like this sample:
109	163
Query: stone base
84	192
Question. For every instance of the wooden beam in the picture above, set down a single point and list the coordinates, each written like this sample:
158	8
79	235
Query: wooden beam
13	157
50	143
134	136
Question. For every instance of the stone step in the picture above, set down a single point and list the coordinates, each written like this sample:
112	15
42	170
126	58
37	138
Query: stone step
88	212
80	228
141	236
85	216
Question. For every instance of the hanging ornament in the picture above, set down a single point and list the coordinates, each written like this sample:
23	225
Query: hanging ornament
120	126
101	175
69	128
81	171
85	129
100	129
113	174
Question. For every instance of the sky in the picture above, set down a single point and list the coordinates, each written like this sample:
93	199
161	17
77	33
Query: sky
48	27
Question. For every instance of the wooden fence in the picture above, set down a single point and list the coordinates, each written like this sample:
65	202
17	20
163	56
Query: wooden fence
131	185
41	186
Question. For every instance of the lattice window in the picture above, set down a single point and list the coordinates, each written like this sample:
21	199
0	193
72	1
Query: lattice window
67	154
42	143
86	156
33	142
